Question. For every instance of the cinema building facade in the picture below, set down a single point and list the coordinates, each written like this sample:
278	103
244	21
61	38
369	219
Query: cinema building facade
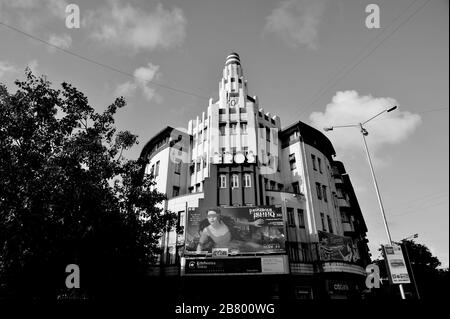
296	229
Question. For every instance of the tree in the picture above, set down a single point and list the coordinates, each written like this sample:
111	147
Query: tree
432	282
68	196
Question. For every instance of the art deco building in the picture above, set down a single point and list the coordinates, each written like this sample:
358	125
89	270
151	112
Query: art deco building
301	231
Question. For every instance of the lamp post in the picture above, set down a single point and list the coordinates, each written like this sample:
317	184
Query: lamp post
364	133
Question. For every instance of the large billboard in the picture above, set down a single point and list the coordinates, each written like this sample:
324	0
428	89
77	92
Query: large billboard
398	273
337	248
224	231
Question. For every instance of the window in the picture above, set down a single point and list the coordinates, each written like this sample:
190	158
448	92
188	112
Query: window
296	187
233	150
292	163
157	169
301	218
330	224
280	187
175	191
222	111
198	166
232	110
152	170
247	180
198	187
319	163
177	167
267	134
242	110
245	149
205	134
191	189
222	127
313	158
273	185
234	181
319	191
232	80
223	181
322	217
344	217
204	161
243	128
233	128
290	216
324	193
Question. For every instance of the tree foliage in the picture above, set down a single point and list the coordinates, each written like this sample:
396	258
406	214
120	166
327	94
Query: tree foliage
432	281
68	196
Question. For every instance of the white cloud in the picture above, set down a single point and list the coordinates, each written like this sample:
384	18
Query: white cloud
135	28
32	15
297	21
142	77
62	41
349	108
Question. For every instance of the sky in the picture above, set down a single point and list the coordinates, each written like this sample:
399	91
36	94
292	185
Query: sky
314	61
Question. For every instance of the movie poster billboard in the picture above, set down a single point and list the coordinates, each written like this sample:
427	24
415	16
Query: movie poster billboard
398	273
229	231
337	248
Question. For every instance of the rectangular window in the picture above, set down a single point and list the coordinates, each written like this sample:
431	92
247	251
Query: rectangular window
273	185
330	224
301	218
152	170
222	127
223	181
233	150
242	110
243	128
292	163
280	187
232	110
177	167
222	111
157	169
198	187
245	150
233	128
319	191
198	166
247	180
205	134
296	187
324	193
322	217
234	181
267	134
290	216
175	191
319	163
313	158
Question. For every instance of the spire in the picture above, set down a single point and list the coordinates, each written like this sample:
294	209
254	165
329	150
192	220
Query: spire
233	76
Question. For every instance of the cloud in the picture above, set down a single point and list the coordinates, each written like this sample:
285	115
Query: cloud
32	15
297	21
6	69
348	107
62	41
142	77
135	28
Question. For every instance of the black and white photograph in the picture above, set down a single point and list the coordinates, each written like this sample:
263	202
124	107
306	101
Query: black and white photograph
224	159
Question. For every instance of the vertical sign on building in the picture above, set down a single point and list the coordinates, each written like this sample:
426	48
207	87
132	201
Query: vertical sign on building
395	264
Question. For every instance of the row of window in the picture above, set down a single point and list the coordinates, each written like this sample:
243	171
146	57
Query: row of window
233	110
233	128
154	170
234	183
329	222
291	217
321	192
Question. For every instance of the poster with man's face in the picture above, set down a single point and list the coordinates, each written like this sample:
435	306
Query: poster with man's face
238	230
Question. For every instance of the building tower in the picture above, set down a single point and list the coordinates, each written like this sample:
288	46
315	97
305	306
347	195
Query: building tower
235	158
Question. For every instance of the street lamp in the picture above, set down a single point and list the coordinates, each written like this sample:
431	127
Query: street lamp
364	133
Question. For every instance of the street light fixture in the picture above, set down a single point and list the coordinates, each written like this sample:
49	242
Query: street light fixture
364	133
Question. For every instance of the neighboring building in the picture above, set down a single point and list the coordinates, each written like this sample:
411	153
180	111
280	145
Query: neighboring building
311	242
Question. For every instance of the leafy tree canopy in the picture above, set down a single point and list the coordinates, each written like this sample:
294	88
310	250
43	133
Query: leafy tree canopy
68	196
